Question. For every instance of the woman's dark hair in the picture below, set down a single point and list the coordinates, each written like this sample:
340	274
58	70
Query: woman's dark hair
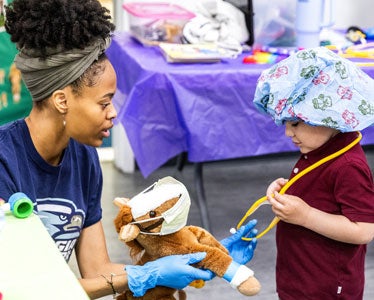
63	24
90	77
38	24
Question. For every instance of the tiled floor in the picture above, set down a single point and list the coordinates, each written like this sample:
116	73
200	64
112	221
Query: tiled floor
231	186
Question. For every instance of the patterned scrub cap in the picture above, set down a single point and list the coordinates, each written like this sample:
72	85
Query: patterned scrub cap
318	87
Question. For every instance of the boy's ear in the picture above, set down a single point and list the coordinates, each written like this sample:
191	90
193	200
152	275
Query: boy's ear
60	101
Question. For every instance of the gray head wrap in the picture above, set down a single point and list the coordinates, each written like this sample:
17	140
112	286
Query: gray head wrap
60	68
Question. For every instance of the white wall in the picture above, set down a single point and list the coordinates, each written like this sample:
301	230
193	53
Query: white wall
354	12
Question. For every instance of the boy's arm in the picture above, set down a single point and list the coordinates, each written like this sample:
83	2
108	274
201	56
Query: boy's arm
294	210
331	226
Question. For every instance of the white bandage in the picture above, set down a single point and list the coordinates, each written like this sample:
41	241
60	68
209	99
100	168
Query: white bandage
242	274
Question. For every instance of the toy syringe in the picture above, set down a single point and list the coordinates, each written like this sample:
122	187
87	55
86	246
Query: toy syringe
19	205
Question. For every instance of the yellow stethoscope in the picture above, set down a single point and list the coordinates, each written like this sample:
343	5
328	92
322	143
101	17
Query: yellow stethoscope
264	200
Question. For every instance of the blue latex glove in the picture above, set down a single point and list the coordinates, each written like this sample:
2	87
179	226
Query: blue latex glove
242	251
173	271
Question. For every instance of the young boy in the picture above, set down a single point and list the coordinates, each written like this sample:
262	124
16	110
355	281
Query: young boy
327	215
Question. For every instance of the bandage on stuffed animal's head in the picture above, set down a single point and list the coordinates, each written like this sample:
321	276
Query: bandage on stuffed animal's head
160	209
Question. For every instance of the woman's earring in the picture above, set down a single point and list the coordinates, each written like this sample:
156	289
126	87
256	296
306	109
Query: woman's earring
64	123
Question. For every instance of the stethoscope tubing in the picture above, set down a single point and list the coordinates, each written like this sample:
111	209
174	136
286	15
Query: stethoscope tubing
264	200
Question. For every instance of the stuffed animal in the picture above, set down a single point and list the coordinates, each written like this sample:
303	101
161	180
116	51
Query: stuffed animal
153	225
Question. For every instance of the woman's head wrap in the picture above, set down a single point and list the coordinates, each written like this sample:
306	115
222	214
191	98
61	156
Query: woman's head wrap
43	76
318	87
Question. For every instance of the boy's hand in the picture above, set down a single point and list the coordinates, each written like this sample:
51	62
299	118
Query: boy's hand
290	209
275	186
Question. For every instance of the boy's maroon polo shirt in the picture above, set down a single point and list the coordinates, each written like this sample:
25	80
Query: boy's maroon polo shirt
309	265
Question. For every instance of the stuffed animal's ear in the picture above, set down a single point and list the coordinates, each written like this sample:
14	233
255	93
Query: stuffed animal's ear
124	215
119	202
128	232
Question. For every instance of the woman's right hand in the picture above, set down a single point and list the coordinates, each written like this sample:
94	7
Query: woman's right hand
174	271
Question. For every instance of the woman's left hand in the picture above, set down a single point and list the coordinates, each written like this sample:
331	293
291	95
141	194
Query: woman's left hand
242	251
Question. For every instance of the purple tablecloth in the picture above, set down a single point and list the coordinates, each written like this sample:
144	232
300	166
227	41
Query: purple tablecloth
203	109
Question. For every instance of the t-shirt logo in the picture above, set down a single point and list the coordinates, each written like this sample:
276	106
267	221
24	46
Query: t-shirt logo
63	222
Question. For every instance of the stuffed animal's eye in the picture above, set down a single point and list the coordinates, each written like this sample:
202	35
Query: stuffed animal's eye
152	213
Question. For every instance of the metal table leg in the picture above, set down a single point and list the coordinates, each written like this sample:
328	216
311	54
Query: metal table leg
200	195
199	188
181	161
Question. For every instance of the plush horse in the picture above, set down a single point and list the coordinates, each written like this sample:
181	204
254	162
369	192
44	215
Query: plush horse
153	225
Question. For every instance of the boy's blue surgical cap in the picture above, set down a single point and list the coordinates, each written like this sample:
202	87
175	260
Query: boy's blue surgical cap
318	87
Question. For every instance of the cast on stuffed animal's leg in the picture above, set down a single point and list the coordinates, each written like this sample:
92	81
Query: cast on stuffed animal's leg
242	278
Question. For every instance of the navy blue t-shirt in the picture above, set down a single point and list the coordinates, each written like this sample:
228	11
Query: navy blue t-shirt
66	197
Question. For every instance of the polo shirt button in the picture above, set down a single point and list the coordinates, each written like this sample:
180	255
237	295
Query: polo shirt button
306	156
296	170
